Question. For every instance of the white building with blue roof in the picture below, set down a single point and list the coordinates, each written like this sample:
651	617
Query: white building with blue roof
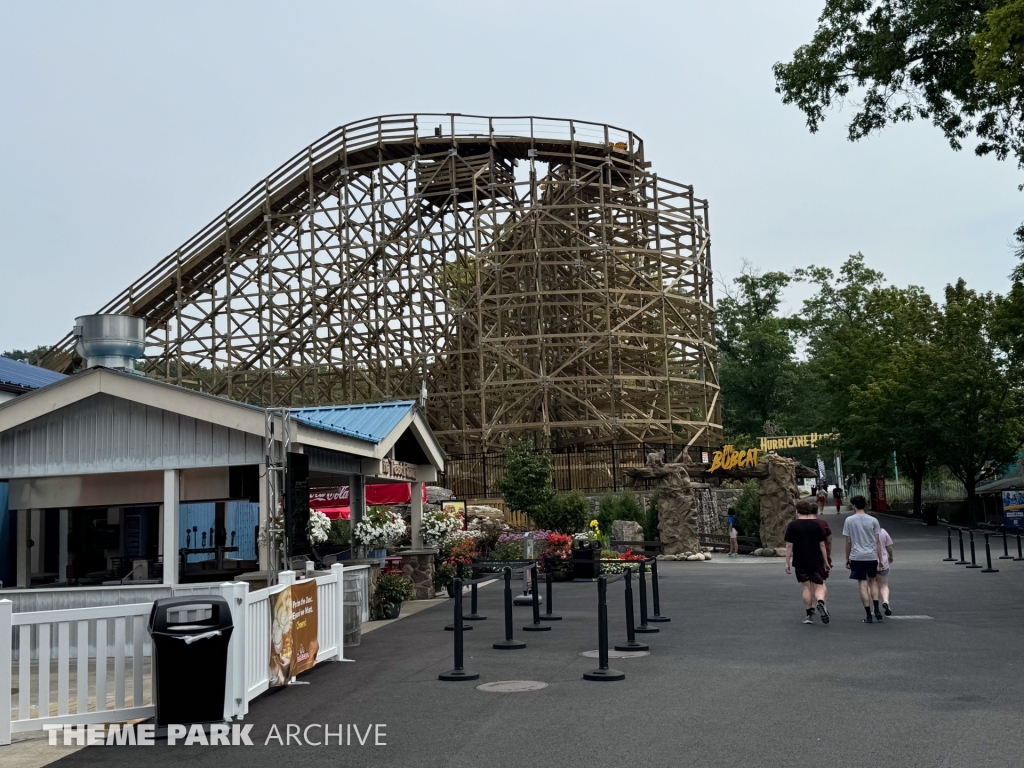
100	466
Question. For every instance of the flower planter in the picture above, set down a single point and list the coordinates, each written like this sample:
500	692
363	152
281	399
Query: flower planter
451	590
377	554
391	610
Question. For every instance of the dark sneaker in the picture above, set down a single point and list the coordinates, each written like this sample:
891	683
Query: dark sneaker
878	616
808	620
885	607
867	620
823	611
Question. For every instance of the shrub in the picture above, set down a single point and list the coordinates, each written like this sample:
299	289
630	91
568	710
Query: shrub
564	513
392	587
340	533
526	486
618	506
748	510
650	523
444	574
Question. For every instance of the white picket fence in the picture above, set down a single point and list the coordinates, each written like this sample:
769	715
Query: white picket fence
96	651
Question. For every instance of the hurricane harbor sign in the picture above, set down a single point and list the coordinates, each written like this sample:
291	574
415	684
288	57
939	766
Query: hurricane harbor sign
783	442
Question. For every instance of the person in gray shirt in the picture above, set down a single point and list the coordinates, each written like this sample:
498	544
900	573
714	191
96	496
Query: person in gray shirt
863	554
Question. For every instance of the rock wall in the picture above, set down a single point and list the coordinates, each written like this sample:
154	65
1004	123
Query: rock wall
418	565
779	494
677	518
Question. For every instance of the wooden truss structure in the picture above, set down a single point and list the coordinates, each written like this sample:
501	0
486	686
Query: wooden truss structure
533	273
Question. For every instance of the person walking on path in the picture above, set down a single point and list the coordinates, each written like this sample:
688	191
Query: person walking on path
805	553
837	496
734	543
822	498
864	554
819	592
882	579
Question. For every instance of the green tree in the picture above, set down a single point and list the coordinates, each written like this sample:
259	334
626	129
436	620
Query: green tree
30	356
954	62
977	401
836	327
758	372
526	486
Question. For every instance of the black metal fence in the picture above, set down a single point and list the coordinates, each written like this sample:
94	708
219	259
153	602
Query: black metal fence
589	468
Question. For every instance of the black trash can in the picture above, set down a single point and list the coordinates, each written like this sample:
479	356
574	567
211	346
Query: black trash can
930	513
190	658
586	564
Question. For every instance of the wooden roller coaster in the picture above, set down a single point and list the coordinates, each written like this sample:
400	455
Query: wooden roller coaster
532	274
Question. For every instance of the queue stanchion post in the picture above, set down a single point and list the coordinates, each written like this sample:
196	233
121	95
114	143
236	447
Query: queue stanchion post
473	615
509	643
536	626
655	594
458	673
603	673
988	557
974	562
631	644
1020	555
1006	552
644	626
961	561
549	615
949	546
451	627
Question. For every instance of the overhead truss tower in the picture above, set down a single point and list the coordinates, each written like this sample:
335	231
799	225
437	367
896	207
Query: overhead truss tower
533	272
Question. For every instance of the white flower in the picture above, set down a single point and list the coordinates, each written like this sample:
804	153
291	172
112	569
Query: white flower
319	527
439	527
380	528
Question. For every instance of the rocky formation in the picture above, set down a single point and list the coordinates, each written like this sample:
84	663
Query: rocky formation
779	495
677	520
627	530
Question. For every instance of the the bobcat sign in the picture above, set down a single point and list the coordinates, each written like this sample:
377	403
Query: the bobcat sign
730	458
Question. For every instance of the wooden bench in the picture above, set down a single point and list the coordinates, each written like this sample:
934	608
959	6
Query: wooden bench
745	544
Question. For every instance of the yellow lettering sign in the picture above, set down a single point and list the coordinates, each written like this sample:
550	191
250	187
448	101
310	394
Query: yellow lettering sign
730	458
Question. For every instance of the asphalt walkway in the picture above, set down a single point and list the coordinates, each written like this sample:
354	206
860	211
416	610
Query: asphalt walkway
734	680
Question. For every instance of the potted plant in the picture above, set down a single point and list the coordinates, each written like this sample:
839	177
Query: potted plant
391	590
379	528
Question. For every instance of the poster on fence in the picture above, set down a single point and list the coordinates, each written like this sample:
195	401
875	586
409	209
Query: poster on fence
1013	508
293	631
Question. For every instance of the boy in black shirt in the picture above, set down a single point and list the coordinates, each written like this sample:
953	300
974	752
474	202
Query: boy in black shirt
805	552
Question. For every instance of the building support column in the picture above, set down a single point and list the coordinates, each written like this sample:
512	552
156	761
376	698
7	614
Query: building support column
169	525
62	545
357	505
36	533
263	552
23	535
416	518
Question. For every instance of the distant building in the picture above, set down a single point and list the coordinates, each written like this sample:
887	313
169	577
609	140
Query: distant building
17	378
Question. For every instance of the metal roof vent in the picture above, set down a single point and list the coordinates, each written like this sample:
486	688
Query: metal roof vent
110	341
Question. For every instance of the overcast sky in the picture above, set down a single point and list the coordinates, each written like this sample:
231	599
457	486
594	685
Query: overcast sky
126	127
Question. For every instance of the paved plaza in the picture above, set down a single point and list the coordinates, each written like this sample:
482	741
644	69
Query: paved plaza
734	680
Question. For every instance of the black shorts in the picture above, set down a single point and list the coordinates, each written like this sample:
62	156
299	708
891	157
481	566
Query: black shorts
816	577
861	570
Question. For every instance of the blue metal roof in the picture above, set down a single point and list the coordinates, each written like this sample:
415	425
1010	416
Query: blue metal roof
21	374
371	422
